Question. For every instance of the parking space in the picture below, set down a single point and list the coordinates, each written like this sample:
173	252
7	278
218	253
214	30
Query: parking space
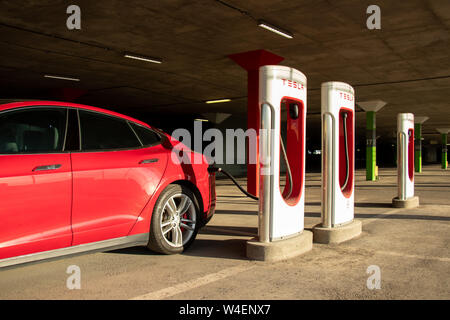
410	247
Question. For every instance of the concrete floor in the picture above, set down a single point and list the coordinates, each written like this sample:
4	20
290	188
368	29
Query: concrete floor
410	246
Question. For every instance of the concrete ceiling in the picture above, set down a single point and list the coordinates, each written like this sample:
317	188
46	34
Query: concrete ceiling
406	63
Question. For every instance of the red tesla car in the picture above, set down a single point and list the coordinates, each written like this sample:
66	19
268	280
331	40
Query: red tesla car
75	178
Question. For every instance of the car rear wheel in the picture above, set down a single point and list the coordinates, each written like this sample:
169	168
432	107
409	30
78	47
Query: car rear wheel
175	220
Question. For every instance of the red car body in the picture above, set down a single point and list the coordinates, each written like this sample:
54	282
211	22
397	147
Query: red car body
93	200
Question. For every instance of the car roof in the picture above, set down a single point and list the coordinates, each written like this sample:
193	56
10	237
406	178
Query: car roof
43	103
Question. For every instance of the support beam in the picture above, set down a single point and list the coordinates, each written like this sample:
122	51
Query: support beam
444	151
418	121
371	107
252	61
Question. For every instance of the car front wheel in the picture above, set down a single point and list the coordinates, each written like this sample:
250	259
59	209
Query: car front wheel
175	220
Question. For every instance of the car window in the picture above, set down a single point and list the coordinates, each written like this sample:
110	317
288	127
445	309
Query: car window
147	136
103	132
34	130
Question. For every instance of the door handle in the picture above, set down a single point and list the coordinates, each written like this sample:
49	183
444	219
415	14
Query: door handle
47	167
146	161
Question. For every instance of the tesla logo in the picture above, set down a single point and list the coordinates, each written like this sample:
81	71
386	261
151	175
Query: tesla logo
293	84
346	96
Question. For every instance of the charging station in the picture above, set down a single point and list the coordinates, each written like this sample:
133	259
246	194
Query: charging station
338	165
405	162
282	99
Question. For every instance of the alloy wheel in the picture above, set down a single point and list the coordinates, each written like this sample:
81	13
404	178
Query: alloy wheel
178	220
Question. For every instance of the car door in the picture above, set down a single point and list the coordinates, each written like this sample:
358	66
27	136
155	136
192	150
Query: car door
35	181
114	176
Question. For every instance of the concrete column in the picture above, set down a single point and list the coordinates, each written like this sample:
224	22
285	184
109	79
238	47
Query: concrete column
444	134
371	148
418	121
371	107
251	61
444	151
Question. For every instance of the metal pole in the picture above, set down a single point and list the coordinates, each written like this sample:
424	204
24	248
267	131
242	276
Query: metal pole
266	173
402	165
327	170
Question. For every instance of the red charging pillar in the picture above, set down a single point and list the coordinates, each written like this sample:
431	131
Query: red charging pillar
252	61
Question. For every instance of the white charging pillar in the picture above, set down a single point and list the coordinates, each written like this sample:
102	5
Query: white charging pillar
282	99
338	165
405	162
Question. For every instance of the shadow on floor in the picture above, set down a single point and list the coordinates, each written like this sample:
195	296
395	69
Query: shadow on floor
240	196
402	217
228	249
359	204
212	248
225	249
241	202
312	214
373	205
135	250
240	212
230	231
398	216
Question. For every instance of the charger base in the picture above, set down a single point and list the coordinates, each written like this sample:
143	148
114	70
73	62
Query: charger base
281	249
337	234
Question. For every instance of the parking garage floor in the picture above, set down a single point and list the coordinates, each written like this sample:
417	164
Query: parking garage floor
410	247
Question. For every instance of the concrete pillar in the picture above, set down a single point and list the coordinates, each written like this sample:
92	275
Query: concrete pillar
371	107
444	134
251	61
418	121
444	151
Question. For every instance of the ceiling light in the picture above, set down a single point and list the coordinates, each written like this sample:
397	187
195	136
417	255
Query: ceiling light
218	101
202	120
146	59
60	77
277	30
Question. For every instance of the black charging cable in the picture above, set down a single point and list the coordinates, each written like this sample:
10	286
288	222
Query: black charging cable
213	168
216	169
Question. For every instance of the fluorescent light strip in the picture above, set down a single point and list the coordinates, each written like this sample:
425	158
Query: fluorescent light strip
277	30
153	60
60	78
202	120
218	101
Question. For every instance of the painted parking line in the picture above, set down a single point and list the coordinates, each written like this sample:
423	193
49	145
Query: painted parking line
413	256
192	284
373	252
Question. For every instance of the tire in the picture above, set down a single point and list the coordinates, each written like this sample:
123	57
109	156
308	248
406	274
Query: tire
175	220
